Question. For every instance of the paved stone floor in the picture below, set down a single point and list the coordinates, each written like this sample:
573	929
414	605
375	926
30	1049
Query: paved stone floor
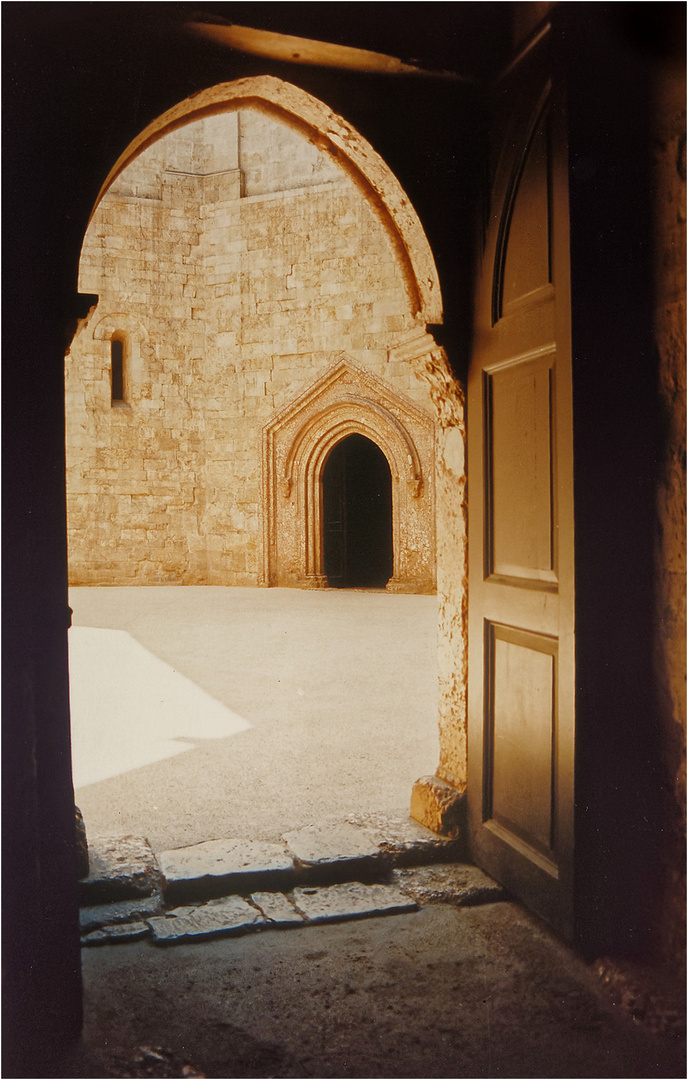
443	991
204	712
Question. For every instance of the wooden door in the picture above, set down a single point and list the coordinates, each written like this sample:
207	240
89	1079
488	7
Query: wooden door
520	500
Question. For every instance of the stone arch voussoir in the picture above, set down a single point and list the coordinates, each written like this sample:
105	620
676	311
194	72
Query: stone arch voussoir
119	322
332	134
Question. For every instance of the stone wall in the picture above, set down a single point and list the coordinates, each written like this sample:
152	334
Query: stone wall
238	261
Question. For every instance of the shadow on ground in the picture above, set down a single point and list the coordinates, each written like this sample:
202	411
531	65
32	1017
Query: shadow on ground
442	992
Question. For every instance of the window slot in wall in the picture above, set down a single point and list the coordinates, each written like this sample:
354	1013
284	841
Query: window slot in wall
117	370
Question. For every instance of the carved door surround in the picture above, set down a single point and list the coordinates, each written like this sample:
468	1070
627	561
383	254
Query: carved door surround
296	443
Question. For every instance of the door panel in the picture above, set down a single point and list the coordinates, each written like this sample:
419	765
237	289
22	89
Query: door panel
518	439
521	661
527	264
521	735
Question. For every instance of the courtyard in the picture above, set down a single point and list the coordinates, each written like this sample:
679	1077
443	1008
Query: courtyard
206	712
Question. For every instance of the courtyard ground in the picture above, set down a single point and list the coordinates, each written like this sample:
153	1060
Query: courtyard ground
205	712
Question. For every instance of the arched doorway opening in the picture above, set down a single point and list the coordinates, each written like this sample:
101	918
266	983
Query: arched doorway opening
357	515
290	356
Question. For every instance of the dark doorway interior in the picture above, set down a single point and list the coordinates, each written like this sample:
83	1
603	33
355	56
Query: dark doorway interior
357	516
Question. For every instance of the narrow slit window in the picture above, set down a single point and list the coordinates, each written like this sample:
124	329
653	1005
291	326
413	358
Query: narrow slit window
117	369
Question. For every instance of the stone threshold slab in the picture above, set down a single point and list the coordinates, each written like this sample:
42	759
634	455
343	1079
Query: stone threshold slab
112	935
351	900
233	915
407	842
330	853
361	848
119	912
277	909
454	883
120	868
459	884
217	918
217	868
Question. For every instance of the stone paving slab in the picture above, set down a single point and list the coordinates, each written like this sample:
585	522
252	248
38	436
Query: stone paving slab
407	841
231	915
219	867
453	883
351	900
456	884
123	911
277	909
111	935
336	852
120	868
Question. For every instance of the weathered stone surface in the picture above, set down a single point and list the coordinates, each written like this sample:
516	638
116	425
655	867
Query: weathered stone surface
277	909
450	548
652	996
407	841
336	852
111	935
82	866
351	900
122	911
296	443
149	1061
231	915
237	261
121	868
455	883
219	867
439	806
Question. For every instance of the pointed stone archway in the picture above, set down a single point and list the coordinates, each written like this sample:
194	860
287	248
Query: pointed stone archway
335	137
297	442
433	495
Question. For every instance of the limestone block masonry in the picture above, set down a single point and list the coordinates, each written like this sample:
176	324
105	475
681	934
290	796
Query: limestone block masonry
240	264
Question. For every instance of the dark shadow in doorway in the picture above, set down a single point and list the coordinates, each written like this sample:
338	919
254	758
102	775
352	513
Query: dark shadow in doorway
357	515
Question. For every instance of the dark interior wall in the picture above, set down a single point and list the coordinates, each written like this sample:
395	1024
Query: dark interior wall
628	819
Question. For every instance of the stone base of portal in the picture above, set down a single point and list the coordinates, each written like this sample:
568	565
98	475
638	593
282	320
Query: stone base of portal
313	581
439	806
413	586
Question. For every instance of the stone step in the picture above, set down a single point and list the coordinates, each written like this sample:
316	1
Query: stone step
120	868
233	915
219	868
364	849
351	900
411	888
